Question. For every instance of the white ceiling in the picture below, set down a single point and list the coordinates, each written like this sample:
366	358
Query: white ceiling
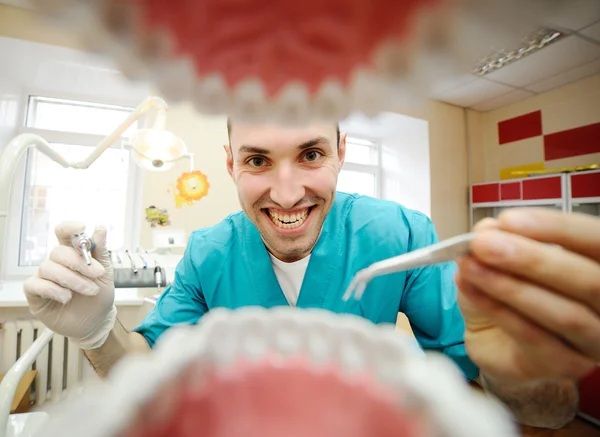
569	59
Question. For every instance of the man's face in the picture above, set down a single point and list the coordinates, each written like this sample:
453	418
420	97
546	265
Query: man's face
286	180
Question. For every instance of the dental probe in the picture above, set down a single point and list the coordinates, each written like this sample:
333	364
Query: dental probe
447	250
133	266
84	245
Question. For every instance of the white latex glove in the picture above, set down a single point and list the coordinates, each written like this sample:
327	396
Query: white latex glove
70	297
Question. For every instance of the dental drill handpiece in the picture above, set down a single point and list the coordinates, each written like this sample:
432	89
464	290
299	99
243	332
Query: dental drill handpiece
84	245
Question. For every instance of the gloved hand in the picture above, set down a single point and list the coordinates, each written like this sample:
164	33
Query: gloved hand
70	297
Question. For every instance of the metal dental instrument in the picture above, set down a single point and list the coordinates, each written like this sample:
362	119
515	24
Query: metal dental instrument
138	252
447	250
157	276
133	266
84	245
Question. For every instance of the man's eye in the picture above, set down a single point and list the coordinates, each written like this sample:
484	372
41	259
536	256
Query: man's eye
256	161
312	155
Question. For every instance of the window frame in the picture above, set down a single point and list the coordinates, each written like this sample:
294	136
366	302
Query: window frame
133	215
374	169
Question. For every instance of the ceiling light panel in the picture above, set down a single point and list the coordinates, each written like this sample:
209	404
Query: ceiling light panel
531	44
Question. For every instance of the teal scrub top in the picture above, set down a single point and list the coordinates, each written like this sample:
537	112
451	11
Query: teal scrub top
227	265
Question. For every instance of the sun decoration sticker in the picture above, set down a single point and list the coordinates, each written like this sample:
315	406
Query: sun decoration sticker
190	188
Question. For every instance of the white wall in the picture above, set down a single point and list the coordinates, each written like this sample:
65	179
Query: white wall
406	168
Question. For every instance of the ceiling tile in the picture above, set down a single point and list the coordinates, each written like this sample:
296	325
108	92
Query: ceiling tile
503	100
558	57
568	76
575	15
449	83
592	31
474	92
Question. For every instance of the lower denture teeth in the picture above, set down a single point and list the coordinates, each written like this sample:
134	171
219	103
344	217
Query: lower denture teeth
282	369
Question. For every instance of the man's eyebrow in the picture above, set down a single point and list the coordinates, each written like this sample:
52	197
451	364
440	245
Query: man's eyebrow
312	143
253	149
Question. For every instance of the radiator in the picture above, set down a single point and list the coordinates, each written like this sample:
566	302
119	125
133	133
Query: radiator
59	366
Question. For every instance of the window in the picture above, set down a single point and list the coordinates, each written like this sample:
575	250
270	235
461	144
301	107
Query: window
102	193
361	171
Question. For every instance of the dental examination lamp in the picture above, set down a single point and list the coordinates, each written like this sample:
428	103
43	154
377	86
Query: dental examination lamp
153	148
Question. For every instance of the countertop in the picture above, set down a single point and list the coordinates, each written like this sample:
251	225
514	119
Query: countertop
12	296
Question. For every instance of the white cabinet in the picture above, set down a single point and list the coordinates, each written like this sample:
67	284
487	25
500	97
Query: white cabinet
568	192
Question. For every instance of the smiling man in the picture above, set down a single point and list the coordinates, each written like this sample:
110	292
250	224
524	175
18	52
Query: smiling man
298	242
286	183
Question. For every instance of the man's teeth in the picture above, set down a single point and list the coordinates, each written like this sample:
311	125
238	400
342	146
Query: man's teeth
288	220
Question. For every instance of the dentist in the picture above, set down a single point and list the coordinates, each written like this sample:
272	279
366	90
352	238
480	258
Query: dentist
525	323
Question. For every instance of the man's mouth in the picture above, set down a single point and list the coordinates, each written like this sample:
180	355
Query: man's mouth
288	219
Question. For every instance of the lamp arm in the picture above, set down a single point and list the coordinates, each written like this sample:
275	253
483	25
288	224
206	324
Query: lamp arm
11	154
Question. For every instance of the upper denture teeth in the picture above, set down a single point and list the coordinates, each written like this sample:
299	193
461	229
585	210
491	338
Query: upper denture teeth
117	17
211	95
249	102
393	61
367	92
150	46
331	102
292	106
175	78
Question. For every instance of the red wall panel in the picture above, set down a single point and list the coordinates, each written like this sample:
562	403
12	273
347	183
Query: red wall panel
520	128
542	188
585	185
510	191
573	142
486	193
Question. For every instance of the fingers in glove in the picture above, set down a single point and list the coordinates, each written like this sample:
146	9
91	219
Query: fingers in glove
36	288
542	354
568	273
576	232
486	223
70	258
64	231
100	252
67	278
564	318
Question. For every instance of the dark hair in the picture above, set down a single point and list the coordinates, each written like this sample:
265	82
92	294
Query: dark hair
337	130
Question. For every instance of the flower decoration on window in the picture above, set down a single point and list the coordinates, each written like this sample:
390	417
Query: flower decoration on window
157	216
191	187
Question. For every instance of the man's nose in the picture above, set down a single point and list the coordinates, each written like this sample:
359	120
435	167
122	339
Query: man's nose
288	188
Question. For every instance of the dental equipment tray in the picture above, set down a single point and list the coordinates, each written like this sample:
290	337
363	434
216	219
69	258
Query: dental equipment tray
125	277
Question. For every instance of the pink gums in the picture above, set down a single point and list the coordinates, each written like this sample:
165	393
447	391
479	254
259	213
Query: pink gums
276	399
279	42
